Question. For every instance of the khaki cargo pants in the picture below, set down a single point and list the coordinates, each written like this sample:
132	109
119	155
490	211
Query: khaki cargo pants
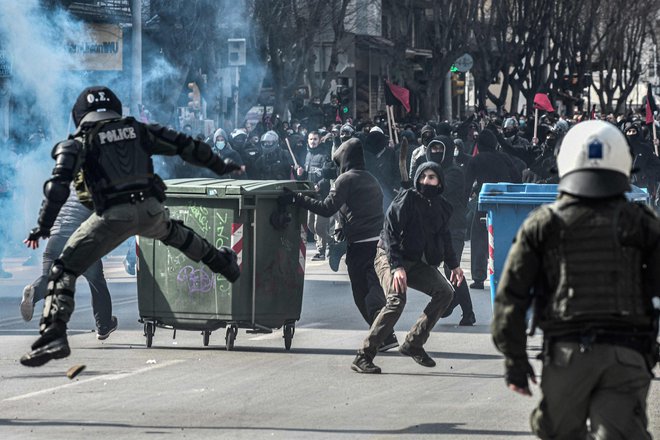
607	384
420	276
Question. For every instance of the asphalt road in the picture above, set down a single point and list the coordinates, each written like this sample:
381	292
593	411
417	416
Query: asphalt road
181	389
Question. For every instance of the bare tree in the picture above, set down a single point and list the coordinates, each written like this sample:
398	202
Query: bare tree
619	42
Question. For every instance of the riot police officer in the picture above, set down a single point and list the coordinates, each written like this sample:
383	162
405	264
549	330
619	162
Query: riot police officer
110	158
593	261
273	163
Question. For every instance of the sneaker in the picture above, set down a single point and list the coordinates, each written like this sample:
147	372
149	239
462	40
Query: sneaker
318	257
363	365
389	343
468	320
55	349
419	355
129	267
103	332
27	306
335	252
477	285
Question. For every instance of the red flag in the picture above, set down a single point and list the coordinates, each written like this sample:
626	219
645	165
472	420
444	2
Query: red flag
542	102
395	93
651	107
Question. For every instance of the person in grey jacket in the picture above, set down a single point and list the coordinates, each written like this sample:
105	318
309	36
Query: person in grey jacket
72	214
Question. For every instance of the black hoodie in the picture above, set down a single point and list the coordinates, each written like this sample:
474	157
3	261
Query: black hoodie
356	195
454	181
417	228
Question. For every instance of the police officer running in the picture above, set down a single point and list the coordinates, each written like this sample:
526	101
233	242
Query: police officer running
593	261
114	156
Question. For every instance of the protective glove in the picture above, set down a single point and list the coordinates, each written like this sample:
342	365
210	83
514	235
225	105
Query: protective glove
231	166
287	197
37	233
518	373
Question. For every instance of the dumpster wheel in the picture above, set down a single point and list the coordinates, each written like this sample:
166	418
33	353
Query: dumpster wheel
230	337
206	335
289	330
149	329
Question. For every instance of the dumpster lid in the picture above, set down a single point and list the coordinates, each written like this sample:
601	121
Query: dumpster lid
535	194
232	187
518	193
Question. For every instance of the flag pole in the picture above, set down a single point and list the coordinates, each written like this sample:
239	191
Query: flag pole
389	121
655	137
536	122
396	136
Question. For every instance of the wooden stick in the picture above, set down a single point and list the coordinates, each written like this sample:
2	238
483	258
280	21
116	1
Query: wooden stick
295	162
396	135
536	122
389	121
655	136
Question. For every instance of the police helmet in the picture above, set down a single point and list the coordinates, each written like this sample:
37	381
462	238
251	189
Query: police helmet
98	99
270	141
561	127
594	161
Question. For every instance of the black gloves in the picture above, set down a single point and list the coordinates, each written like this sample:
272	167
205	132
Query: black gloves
37	233
231	166
287	197
518	373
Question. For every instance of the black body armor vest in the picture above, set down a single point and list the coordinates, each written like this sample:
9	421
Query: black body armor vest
593	264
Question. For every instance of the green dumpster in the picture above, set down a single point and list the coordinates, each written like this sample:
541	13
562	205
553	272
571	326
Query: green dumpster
175	292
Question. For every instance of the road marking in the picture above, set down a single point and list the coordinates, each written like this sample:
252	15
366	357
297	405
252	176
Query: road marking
114	376
18	319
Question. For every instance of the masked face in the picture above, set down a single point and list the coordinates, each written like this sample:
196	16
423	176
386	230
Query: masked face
220	144
429	184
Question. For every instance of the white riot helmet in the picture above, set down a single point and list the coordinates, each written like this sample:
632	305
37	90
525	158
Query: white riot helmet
594	161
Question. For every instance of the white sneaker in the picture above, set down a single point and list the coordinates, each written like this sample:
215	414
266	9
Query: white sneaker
27	307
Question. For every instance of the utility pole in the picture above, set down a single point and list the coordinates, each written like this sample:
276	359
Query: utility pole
136	57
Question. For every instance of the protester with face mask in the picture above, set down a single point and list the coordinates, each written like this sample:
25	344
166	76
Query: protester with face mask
222	147
414	241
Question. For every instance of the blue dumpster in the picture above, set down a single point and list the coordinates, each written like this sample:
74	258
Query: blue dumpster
507	206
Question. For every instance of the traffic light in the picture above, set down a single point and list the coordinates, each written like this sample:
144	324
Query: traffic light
344	99
457	83
195	97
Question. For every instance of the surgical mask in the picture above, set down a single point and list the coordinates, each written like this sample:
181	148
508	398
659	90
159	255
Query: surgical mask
220	145
429	191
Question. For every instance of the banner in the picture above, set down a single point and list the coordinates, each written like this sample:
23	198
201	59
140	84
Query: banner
99	49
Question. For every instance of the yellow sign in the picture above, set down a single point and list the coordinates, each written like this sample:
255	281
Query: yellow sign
99	49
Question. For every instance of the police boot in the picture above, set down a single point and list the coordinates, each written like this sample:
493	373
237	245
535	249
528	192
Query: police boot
58	307
223	261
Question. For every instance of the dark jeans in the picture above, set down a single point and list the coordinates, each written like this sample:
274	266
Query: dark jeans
367	292
479	247
101	301
462	292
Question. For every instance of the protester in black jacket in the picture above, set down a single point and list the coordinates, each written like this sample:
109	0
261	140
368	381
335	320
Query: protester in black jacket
382	163
415	240
489	166
358	199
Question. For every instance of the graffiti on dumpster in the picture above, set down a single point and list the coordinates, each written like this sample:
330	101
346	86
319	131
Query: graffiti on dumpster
220	223
195	280
201	216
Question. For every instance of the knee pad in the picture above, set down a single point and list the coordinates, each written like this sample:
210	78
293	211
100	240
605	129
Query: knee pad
223	261
58	303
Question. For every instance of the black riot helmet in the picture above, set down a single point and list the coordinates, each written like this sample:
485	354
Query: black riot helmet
98	99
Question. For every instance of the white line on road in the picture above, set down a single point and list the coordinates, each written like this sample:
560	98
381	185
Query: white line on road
114	376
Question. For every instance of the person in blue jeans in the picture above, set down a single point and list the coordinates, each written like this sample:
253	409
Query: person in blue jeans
73	213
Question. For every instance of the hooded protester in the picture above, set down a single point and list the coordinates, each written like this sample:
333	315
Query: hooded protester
440	150
414	241
358	200
488	166
381	162
222	146
645	163
417	157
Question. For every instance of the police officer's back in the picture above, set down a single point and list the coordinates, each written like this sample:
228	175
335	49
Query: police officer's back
593	261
